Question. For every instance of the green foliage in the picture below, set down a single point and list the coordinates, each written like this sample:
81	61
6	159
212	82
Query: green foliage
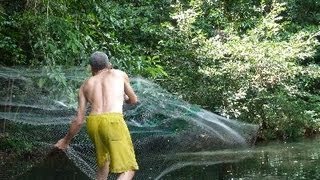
60	33
263	75
65	33
257	61
11	52
16	145
304	12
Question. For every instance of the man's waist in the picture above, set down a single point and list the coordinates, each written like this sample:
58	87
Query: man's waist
105	113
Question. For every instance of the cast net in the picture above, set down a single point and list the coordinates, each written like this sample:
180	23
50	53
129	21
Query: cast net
36	107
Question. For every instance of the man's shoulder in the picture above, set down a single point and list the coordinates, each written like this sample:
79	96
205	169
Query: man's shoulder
86	82
120	72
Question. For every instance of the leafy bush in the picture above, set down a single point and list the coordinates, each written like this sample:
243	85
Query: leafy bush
262	76
257	61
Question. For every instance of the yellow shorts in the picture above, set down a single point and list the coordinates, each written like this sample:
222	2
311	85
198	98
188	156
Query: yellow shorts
111	138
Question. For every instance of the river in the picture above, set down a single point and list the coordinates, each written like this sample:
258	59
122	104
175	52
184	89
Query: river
275	160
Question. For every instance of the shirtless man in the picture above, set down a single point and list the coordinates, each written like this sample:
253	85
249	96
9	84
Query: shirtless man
106	91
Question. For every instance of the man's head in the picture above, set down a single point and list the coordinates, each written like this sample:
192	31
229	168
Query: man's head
99	61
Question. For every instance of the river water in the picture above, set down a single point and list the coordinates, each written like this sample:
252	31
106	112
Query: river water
276	160
297	160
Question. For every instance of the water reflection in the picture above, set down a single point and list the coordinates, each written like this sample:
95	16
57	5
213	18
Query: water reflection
273	161
299	160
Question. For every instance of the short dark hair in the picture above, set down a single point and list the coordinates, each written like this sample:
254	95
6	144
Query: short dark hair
99	60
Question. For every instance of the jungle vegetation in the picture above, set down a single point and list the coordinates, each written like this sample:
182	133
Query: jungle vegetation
257	61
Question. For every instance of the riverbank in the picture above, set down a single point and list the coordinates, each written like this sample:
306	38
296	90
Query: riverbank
35	163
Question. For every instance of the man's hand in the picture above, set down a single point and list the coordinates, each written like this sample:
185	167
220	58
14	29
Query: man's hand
62	144
126	98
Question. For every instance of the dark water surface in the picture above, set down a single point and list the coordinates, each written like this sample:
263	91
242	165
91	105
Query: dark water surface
296	160
299	160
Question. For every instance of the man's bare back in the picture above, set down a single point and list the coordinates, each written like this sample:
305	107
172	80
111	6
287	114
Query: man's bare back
106	91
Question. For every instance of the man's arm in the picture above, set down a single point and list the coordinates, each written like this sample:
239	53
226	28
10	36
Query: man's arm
131	96
76	123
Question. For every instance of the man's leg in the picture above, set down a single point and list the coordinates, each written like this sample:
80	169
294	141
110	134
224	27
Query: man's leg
128	175
103	172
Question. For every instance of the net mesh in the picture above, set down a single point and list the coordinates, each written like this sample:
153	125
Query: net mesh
35	107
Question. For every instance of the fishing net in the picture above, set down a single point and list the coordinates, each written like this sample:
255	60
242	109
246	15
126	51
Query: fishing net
36	107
